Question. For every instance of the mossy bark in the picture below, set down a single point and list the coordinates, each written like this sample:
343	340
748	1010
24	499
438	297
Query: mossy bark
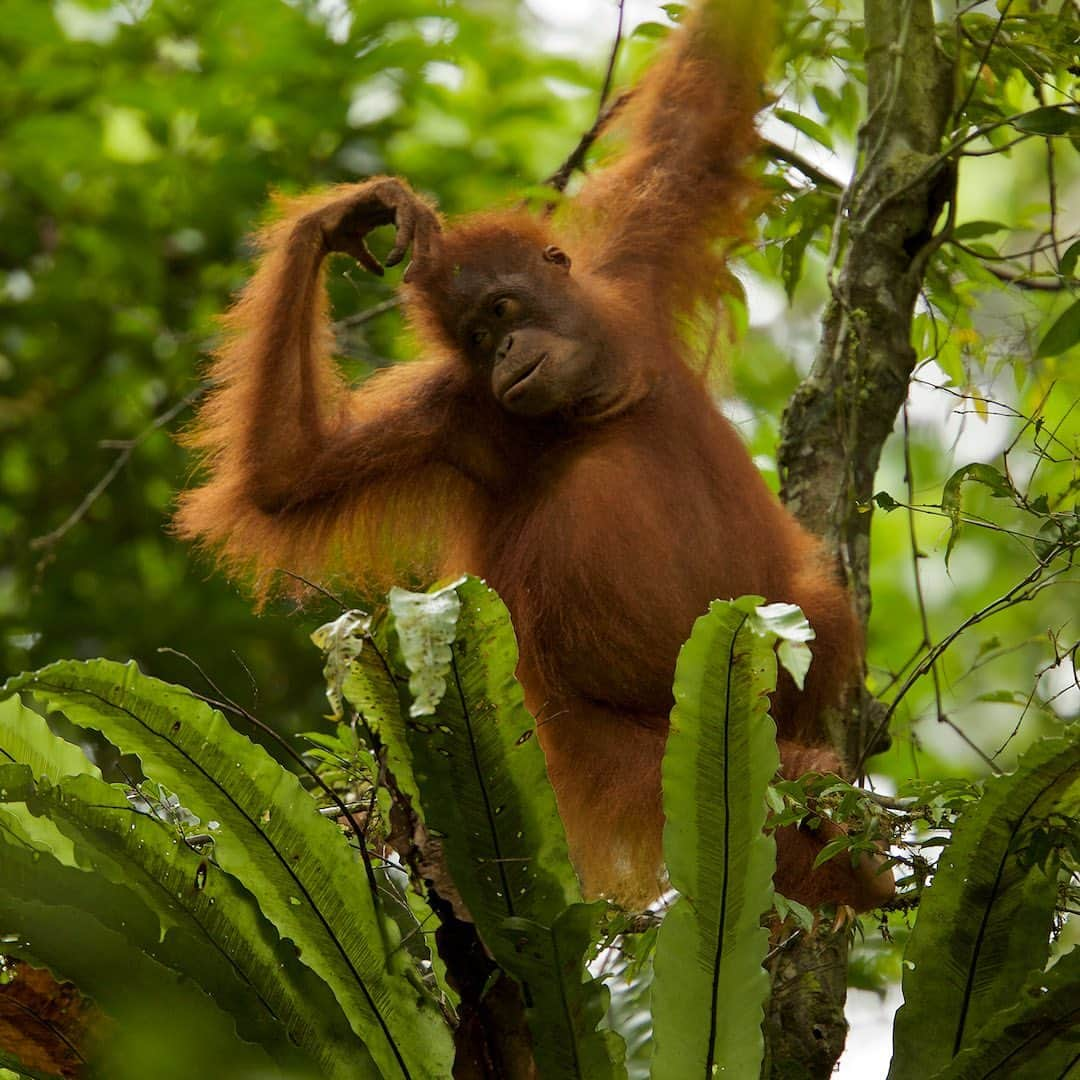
839	418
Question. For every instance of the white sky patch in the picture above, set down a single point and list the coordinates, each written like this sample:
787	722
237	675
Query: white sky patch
869	1042
1060	686
443	73
18	286
80	23
374	100
586	27
435	30
739	413
954	420
766	303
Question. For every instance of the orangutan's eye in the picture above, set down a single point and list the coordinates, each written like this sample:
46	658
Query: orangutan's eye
506	307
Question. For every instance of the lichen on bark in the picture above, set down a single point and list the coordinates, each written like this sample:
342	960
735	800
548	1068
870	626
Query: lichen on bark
839	418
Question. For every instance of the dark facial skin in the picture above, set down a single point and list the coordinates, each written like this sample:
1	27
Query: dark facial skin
531	333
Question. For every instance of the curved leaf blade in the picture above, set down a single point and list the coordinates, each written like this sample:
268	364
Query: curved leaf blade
193	918
984	917
721	755
1036	1039
297	864
370	688
103	937
485	793
26	738
483	778
1063	335
567	1003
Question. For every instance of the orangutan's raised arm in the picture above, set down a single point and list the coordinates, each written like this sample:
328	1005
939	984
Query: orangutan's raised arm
680	185
281	435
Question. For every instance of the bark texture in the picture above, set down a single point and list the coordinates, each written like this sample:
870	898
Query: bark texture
841	415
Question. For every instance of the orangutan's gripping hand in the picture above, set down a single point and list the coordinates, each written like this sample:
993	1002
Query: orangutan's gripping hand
345	221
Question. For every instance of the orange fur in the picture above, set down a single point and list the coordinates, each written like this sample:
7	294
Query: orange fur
606	533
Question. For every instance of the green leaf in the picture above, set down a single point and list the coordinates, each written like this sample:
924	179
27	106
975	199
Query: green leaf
783	621
129	872
795	660
1049	121
16	781
297	864
105	965
789	626
342	641
1063	335
807	126
885	501
831	850
1037	1038
721	754
984	923
1067	267
972	229
787	908
652	31
567	1004
26	738
485	792
370	688
807	214
988	476
483	778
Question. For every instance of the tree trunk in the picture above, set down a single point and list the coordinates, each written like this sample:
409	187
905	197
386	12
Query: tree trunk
841	415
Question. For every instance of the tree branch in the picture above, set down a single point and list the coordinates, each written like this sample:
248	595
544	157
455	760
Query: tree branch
604	113
791	157
126	447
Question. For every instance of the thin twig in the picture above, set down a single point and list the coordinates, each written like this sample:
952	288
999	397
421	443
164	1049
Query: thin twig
1012	256
804	165
1025	281
953	148
126	450
934	510
561	176
609	74
1021	592
924	619
367	314
316	586
1028	702
1051	184
962	107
